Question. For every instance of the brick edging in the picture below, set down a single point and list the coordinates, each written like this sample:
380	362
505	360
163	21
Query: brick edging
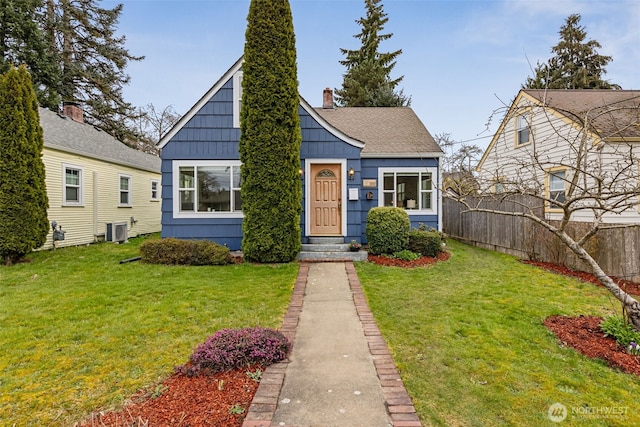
397	400
264	403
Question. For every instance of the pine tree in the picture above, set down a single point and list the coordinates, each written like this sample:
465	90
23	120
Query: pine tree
23	195
22	41
270	135
93	60
367	82
576	64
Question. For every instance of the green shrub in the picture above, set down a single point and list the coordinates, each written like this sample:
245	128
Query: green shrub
406	255
387	230
184	252
622	331
426	243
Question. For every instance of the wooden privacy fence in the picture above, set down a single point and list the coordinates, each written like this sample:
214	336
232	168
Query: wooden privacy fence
616	250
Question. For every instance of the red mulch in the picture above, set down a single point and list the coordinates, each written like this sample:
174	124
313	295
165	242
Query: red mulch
626	285
202	401
583	334
420	262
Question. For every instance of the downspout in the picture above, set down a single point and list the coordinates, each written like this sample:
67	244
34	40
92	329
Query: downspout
95	206
439	194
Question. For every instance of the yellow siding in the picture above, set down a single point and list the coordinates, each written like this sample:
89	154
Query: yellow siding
100	186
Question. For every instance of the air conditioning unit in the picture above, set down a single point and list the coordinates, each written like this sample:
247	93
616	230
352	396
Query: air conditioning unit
116	232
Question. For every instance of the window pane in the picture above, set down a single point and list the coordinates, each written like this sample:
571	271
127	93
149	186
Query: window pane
237	181
186	200
407	187
388	199
426	201
72	176
186	179
214	189
72	194
124	183
124	198
237	201
426	182
388	181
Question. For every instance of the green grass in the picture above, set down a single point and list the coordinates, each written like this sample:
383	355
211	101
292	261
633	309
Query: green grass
80	332
468	338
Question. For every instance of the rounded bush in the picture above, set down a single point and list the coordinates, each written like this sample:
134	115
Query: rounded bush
426	243
172	251
230	349
387	230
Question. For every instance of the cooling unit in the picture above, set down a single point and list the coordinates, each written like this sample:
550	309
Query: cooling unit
116	232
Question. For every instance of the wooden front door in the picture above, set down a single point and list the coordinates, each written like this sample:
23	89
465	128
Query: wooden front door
326	200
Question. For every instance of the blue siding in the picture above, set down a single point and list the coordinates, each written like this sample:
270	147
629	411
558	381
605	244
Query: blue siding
210	135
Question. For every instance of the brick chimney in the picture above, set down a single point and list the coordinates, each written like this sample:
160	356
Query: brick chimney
327	99
73	111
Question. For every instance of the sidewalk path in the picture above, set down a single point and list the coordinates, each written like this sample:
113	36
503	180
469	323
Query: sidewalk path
340	372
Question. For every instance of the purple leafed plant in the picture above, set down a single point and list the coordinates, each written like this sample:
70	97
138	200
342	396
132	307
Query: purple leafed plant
229	349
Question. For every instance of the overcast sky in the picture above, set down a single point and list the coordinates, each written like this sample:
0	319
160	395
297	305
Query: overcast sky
462	60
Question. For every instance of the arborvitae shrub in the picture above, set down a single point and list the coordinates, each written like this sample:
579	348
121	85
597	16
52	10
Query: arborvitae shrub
230	349
184	252
426	243
387	230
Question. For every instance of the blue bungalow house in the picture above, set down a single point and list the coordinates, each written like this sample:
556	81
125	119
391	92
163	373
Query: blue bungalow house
352	159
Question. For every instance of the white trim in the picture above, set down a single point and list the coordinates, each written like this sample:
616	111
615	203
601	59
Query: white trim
80	169
175	172
416	155
201	103
307	192
328	127
237	97
129	191
435	205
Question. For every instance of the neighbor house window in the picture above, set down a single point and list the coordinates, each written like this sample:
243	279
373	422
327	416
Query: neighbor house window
413	189
523	129
207	187
125	191
155	189
237	98
557	187
72	185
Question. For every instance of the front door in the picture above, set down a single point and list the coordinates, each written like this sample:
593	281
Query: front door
326	203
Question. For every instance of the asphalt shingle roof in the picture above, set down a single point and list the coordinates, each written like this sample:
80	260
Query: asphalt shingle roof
385	131
614	113
64	134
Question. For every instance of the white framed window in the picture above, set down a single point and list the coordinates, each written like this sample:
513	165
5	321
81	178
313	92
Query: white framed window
237	98
155	190
207	188
414	189
523	129
556	187
72	185
125	190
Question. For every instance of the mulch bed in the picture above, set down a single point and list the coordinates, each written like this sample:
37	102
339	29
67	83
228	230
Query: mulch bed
420	262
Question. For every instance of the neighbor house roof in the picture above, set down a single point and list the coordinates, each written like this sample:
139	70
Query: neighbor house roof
63	133
614	113
385	131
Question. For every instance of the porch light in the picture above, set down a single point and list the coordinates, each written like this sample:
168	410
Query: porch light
300	172
352	173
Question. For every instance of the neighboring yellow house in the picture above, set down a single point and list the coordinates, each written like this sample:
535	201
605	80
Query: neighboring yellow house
98	188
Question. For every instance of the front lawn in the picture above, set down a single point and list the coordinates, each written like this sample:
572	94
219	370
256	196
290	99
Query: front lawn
80	331
468	338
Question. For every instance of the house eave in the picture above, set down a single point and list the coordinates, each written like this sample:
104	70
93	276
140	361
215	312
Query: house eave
101	158
416	155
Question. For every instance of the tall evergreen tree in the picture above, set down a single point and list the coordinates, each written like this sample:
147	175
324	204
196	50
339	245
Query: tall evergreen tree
367	82
23	194
23	41
93	61
576	64
270	135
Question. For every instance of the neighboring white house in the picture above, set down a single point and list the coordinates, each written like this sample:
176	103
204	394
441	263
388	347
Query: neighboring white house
569	145
98	188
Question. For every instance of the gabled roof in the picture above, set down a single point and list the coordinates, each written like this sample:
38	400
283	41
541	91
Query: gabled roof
64	134
381	132
614	114
386	131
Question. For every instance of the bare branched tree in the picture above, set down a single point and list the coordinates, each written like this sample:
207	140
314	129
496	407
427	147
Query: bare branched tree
577	155
150	124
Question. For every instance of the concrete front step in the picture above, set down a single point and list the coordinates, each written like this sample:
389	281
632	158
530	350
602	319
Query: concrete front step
332	256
